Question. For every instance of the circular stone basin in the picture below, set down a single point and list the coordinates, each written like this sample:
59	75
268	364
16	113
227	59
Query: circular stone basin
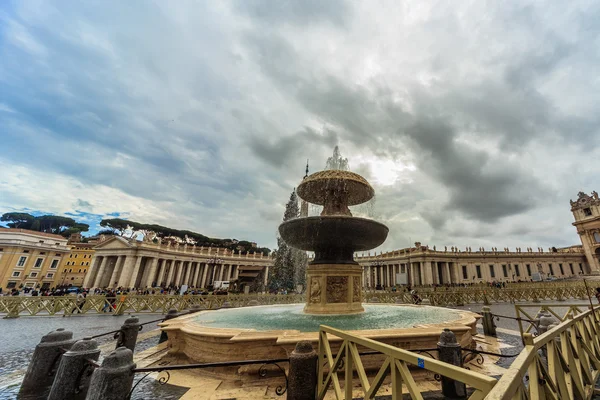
291	317
327	233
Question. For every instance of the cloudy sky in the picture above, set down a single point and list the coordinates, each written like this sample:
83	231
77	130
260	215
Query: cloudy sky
475	121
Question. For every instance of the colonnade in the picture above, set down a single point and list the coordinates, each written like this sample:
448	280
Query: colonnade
143	272
413	273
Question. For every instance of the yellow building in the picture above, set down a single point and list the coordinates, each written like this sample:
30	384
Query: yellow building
73	267
30	258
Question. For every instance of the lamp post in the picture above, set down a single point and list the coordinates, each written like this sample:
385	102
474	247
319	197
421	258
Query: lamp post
375	264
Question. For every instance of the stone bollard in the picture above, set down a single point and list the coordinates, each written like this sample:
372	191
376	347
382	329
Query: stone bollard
425	302
450	352
172	313
489	328
114	378
302	377
128	334
46	357
72	377
253	303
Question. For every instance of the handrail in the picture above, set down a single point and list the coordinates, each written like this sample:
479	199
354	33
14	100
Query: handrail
396	360
573	363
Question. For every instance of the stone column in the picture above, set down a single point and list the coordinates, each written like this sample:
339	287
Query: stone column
266	275
447	268
229	272
195	273
100	273
179	265
161	272
151	273
170	273
90	278
116	272
128	265
188	271
204	273
428	265
135	272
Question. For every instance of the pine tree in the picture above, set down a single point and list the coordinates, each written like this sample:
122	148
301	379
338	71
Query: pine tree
289	266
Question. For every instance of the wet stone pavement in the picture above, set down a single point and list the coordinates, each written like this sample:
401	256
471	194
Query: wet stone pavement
19	336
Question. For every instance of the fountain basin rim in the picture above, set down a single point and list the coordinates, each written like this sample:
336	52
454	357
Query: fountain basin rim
314	187
464	321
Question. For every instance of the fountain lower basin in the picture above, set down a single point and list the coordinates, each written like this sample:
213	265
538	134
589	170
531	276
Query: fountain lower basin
266	332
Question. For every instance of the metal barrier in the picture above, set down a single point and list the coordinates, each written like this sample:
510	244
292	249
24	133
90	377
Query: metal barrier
561	363
569	369
559	311
395	363
14	306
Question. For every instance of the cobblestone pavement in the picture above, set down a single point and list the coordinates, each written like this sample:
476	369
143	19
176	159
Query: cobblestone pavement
19	336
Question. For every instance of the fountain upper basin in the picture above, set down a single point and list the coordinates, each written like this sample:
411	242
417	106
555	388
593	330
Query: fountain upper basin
330	233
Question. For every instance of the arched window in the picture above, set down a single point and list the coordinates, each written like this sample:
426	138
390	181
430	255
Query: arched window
597	237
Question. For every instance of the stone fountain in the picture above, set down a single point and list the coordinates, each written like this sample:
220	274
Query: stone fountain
334	295
334	279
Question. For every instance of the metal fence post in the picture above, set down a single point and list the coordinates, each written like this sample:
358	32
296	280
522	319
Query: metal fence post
114	379
302	380
41	370
127	336
72	377
450	352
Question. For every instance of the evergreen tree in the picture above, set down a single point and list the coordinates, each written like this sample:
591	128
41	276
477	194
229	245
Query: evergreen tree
289	266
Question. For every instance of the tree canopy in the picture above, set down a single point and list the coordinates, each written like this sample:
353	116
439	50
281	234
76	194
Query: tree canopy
289	264
55	224
127	228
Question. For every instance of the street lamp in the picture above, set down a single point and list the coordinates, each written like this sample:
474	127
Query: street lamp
375	264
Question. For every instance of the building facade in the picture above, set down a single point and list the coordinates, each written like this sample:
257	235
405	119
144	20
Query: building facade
586	211
124	263
421	265
74	267
30	258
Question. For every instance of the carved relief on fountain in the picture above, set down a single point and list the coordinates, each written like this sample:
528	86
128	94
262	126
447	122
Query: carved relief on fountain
356	290
337	289
315	290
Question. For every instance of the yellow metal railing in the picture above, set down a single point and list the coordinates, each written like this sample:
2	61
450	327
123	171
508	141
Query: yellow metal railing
14	306
562	363
396	363
559	311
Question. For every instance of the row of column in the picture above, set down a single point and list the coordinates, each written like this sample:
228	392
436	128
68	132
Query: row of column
415	273
143	272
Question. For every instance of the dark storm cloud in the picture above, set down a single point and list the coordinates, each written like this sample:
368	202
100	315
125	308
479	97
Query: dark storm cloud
481	186
278	151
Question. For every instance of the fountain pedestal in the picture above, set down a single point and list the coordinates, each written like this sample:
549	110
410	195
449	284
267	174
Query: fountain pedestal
334	289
